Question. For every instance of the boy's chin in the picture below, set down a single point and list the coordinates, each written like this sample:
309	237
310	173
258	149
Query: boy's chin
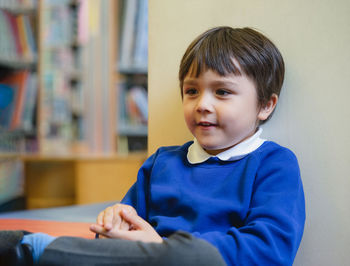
214	150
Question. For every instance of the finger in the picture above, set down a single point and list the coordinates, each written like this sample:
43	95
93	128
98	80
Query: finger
130	208
96	228
124	225
145	236
108	218
134	219
99	219
117	220
103	233
126	235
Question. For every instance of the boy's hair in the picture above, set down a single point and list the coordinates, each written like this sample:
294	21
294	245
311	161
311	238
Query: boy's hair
256	55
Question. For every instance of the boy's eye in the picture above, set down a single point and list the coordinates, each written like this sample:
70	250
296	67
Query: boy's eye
222	92
191	91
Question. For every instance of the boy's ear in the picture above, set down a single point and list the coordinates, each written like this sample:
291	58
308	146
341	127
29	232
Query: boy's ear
267	110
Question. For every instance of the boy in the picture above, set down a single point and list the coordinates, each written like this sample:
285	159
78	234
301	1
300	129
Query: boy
229	187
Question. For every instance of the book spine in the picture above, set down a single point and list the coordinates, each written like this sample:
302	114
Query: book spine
7	98
21	80
14	35
138	96
22	37
8	49
128	32
29	104
29	37
133	105
140	56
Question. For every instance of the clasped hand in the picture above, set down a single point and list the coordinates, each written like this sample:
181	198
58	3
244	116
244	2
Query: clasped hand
122	221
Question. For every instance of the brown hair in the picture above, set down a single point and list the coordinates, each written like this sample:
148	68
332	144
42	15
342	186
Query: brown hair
256	55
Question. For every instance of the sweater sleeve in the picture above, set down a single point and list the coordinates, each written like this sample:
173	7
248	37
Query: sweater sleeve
137	196
274	224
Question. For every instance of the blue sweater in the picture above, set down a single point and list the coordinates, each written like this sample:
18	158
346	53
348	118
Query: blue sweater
252	210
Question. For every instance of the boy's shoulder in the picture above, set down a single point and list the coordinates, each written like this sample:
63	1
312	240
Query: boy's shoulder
176	149
273	150
167	154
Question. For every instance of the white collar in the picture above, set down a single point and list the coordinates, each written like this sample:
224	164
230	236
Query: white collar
196	154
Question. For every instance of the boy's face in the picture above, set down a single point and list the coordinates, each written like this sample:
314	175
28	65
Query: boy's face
221	111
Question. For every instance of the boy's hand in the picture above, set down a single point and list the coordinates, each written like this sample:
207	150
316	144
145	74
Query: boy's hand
110	220
140	229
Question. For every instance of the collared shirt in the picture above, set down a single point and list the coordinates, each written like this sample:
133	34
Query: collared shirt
196	154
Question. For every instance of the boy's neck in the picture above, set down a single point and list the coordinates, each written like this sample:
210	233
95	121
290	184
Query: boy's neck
196	154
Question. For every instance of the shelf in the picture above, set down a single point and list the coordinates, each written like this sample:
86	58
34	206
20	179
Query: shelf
15	63
9	156
17	9
132	130
77	67
132	69
59	3
50	157
131	74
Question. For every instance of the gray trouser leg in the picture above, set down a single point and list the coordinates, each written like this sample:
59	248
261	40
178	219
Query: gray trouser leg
179	249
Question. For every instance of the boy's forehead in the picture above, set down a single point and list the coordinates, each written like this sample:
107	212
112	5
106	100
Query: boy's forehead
198	67
213	77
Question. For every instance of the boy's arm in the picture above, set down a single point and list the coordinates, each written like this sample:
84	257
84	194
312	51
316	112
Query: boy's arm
137	196
274	224
111	220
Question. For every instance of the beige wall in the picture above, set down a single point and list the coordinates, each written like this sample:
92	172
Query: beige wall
312	117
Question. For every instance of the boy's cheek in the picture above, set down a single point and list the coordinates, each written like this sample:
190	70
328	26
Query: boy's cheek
188	113
189	124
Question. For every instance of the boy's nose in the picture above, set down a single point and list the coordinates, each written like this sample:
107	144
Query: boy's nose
204	103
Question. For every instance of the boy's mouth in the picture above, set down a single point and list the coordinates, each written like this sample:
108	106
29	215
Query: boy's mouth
206	124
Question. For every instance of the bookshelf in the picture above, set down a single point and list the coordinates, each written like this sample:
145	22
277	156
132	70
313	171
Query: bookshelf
61	115
18	74
38	61
71	81
131	76
69	49
18	89
62	66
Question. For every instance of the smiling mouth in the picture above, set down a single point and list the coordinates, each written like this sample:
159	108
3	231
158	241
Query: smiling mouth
206	124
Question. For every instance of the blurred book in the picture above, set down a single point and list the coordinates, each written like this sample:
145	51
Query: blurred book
133	105
28	114
140	56
137	104
134	36
17	43
132	118
58	31
127	32
7	99
18	93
